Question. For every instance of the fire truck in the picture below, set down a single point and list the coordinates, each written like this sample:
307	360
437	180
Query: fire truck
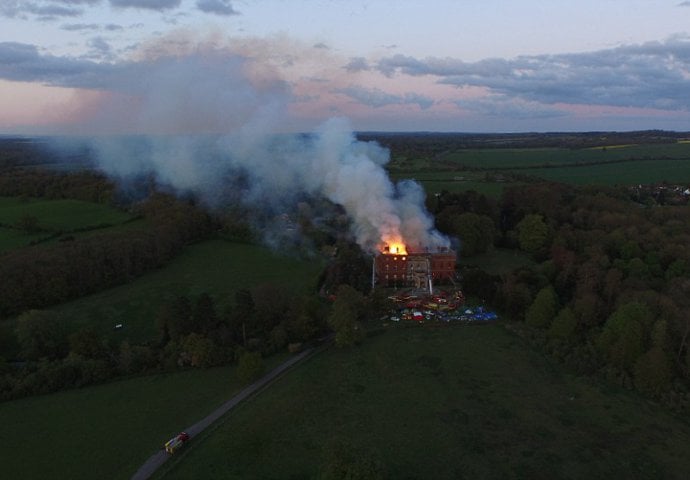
175	443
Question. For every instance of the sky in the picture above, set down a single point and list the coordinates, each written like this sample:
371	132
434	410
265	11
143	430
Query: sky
212	66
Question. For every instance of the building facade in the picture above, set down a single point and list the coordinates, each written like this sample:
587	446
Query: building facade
414	268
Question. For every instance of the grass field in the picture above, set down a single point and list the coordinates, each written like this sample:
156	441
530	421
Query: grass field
54	215
459	402
626	173
507	158
107	431
436	181
60	214
216	267
616	165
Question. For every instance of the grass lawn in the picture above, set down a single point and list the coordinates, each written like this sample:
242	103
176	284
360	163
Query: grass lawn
459	402
107	431
217	267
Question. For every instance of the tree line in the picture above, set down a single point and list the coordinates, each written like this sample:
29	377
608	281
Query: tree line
37	277
192	332
608	292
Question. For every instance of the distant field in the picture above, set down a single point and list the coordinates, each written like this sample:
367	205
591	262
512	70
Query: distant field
627	173
443	403
507	158
614	165
454	181
60	214
217	267
11	238
52	216
107	431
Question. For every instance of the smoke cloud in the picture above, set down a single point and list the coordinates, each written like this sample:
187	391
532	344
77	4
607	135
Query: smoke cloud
222	116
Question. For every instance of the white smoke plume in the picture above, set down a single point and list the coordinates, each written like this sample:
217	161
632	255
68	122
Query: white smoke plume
218	116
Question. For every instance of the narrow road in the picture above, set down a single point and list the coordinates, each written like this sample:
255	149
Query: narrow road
159	458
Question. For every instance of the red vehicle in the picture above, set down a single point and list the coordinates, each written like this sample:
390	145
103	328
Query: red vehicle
175	443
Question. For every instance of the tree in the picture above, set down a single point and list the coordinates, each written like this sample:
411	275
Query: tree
86	343
564	325
542	311
344	316
40	334
622	339
476	232
205	317
174	319
653	371
532	233
250	366
198	351
242	316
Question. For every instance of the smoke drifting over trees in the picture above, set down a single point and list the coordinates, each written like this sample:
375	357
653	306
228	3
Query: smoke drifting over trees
222	115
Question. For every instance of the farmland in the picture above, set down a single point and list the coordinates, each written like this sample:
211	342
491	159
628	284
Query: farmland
53	217
496	410
489	170
216	267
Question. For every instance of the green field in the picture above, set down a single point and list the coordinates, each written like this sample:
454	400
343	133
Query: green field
437	181
60	214
54	216
613	165
217	267
507	158
107	431
459	402
626	173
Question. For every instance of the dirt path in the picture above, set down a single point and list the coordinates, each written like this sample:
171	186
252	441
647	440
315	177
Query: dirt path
159	458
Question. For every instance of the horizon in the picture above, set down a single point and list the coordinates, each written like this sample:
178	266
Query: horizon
200	66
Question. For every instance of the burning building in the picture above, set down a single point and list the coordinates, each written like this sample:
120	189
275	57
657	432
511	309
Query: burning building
399	265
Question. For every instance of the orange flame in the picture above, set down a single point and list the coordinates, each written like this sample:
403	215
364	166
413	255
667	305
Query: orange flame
394	247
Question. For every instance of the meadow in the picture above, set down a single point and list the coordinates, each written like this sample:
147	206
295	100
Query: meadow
216	267
108	431
53	217
507	158
624	173
489	171
456	402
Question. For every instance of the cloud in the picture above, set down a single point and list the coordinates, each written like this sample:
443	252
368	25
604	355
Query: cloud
357	64
504	107
218	7
100	49
650	75
684	4
376	98
24	63
76	27
147	4
43	9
